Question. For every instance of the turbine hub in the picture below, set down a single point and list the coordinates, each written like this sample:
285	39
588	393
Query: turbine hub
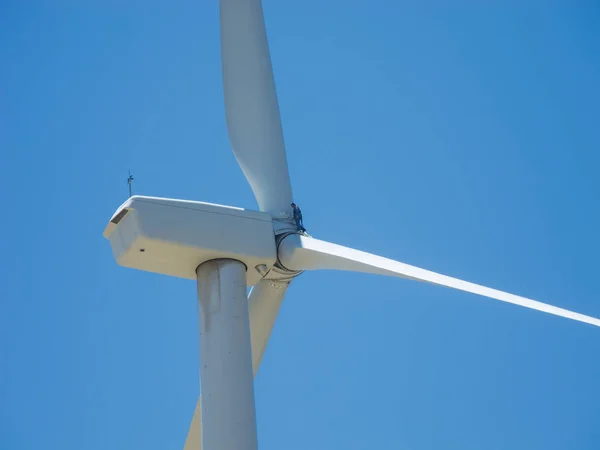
279	271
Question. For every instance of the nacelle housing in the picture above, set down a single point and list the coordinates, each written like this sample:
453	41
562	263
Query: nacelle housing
173	237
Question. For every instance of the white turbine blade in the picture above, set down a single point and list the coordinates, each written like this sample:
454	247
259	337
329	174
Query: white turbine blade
264	302
305	253
194	437
251	106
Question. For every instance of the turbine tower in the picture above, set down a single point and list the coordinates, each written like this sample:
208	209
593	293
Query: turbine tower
227	249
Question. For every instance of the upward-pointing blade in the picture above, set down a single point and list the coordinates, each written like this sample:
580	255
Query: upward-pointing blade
251	106
304	253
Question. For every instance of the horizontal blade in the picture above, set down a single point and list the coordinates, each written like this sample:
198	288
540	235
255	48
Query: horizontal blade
264	302
251	107
304	253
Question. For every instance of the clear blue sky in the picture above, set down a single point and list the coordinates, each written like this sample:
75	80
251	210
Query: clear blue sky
461	139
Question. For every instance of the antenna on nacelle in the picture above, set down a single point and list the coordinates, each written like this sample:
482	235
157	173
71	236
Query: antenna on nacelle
129	181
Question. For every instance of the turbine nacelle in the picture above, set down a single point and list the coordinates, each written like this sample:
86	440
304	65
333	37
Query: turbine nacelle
173	237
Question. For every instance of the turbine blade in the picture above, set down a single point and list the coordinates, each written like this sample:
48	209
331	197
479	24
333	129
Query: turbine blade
264	302
251	107
304	253
194	437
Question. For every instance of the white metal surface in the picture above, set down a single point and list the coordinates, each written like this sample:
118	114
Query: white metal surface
173	237
226	377
251	107
264	302
305	253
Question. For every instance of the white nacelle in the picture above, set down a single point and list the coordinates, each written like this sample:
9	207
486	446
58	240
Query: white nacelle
174	237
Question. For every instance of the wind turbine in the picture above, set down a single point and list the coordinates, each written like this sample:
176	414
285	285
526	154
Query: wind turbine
226	249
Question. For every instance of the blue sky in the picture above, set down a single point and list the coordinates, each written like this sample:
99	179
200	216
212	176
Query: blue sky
461	139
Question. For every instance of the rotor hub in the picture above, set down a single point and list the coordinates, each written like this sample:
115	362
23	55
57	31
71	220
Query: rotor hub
279	271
